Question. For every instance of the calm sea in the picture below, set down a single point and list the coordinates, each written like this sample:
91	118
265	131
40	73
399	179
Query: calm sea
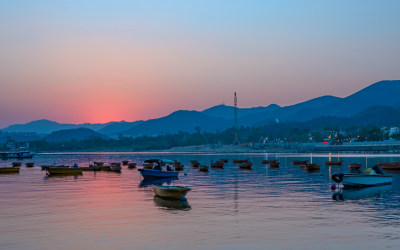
263	208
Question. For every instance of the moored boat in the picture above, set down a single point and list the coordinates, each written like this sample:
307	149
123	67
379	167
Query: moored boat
390	165
246	165
354	166
151	173
296	162
9	169
171	192
45	167
333	163
203	168
312	167
217	164
59	170
274	165
224	160
132	165
368	178
16	164
240	161
92	168
105	167
269	161
29	164
195	164
125	163
115	168
178	166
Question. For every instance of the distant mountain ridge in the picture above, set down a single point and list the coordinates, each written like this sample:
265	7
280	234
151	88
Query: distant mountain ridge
370	103
78	134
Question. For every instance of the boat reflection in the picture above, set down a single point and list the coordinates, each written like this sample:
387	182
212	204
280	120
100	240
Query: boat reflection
171	204
151	182
60	176
361	193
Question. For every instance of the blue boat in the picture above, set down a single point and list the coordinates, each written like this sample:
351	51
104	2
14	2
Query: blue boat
155	174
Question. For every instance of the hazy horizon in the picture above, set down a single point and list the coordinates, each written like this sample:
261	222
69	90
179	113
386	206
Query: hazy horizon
95	62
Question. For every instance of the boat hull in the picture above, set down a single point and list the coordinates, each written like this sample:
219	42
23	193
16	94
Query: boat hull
365	180
65	170
333	163
9	170
154	174
171	192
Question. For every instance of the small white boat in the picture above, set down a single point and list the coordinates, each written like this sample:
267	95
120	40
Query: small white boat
353	180
171	192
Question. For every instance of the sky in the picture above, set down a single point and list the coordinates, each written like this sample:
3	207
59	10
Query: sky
100	61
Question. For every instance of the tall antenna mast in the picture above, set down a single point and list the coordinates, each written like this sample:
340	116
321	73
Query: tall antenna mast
235	120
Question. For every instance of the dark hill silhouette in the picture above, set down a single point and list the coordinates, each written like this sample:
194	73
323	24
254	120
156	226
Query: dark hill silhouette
73	134
226	112
185	121
114	128
46	127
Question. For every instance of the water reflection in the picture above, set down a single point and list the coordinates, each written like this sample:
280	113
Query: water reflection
171	204
361	193
62	176
151	182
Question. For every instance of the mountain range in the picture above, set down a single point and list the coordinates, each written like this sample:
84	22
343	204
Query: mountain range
378	103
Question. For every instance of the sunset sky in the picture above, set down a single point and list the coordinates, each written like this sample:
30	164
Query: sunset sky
101	61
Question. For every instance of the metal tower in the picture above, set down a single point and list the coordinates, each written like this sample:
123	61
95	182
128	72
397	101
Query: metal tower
235	120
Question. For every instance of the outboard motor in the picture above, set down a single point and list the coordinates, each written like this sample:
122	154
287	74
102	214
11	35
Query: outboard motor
338	178
377	169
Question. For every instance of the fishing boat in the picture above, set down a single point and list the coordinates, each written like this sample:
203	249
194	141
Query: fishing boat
178	166
151	173
132	165
92	168
240	161
203	168
354	166
217	164
370	177
195	164
115	168
269	161
171	192
296	162
245	165
98	163
333	163
390	165
65	170
29	164
16	164
9	169
115	164
274	165
125	163
148	165
45	167
224	160
105	167
312	167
